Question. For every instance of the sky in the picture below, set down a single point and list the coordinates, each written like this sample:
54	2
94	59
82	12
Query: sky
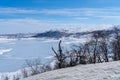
26	16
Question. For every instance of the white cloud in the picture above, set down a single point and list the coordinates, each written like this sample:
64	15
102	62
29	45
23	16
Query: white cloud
16	11
110	17
81	18
34	25
65	12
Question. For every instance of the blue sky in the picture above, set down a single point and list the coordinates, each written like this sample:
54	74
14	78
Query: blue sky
23	16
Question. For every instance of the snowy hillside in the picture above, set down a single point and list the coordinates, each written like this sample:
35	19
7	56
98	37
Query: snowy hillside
100	71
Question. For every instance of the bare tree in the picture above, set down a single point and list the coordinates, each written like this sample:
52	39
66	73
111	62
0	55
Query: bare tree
24	73
94	43
16	77
34	66
94	47
72	58
104	49
60	56
81	54
6	77
116	44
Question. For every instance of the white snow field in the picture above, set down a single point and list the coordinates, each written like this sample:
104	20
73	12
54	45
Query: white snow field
100	71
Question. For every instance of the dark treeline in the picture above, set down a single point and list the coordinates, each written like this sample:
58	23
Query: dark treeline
100	48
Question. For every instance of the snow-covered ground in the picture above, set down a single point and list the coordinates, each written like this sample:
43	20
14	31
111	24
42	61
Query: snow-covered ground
100	71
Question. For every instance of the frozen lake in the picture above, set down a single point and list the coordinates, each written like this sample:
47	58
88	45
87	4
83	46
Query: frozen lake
13	53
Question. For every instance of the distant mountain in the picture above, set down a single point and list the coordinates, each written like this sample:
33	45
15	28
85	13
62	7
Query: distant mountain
53	34
65	33
18	35
56	34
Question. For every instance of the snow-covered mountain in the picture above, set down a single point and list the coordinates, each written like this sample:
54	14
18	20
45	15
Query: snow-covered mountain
100	71
60	33
57	34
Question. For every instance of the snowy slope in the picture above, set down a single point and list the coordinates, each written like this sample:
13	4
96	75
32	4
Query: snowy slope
101	71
